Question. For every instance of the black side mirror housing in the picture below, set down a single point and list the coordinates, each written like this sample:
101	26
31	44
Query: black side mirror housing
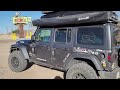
33	38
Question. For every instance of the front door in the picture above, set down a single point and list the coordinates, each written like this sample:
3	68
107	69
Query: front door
43	46
62	46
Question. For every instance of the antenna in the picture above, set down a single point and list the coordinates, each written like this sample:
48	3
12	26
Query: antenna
17	14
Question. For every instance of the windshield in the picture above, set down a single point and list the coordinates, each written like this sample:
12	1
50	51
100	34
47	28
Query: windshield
90	36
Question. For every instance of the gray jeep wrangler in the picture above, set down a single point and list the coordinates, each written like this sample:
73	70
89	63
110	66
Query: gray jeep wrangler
83	45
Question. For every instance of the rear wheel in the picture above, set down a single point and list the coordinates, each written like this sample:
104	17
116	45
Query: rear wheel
17	62
81	71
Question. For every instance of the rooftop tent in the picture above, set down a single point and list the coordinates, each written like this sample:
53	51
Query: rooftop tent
46	12
52	14
75	18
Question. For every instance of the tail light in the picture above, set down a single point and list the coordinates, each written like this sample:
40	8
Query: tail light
109	57
112	57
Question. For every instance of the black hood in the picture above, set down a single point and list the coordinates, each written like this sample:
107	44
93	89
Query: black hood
24	42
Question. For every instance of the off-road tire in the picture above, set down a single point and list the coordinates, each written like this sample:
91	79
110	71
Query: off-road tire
23	64
84	71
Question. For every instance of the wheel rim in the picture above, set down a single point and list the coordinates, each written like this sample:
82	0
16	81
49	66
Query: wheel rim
78	76
15	62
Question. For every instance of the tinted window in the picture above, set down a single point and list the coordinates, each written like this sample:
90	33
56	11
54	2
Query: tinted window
63	35
44	36
90	36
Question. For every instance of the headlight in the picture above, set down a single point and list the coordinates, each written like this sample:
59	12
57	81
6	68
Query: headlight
21	41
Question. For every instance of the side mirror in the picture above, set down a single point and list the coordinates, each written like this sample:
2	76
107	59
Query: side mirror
33	38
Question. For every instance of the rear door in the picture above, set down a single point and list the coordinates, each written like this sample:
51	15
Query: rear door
62	46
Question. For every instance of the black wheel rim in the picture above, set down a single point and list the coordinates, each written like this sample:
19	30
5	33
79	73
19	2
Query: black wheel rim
15	62
78	76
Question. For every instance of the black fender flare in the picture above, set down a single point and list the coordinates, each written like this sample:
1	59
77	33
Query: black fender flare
93	58
23	49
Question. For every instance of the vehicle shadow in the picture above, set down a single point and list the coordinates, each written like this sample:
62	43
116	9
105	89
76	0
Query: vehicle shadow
58	77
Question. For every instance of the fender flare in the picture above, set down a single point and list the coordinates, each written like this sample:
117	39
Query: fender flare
23	49
92	58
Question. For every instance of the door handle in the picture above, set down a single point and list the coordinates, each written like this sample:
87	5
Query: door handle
48	47
66	49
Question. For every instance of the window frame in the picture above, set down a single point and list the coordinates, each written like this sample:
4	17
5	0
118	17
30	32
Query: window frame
88	32
39	30
66	36
92	46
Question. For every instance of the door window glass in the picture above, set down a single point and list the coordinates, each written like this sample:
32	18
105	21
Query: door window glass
44	35
63	35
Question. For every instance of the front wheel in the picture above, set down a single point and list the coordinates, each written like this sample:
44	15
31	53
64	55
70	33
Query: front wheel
81	71
17	62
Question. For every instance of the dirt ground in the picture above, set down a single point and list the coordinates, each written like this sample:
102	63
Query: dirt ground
35	72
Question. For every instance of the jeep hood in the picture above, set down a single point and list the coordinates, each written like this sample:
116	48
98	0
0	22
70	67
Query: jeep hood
24	42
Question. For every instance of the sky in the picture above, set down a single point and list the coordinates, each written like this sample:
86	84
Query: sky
6	19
